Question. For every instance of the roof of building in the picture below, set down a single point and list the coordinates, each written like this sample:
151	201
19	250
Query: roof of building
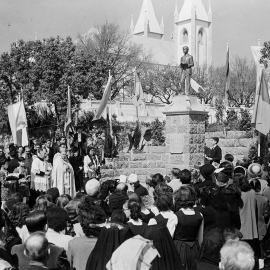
147	10
186	11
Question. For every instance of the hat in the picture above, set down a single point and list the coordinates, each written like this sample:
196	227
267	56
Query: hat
240	170
133	178
207	170
222	178
254	169
92	187
122	179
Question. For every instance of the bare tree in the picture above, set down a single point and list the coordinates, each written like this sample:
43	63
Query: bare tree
116	51
242	82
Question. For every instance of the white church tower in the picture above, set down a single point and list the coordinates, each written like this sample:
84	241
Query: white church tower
147	24
193	28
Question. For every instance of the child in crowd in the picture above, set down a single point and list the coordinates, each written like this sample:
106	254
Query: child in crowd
229	157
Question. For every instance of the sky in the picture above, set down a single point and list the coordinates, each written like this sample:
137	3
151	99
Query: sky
239	22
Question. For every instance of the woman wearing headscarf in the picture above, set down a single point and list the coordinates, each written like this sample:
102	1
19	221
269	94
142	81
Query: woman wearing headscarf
111	236
210	250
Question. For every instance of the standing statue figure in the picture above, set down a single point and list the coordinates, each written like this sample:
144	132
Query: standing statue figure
185	70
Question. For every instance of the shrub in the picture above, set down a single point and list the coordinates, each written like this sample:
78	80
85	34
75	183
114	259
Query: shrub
245	120
158	136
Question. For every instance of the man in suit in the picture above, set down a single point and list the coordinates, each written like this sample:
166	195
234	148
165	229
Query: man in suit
215	154
186	64
80	140
37	249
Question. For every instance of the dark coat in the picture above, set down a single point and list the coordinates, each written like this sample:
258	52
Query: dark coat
216	154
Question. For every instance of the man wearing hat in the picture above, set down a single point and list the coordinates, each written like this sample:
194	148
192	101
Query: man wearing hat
138	188
76	162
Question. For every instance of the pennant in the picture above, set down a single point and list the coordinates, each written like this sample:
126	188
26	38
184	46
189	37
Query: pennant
260	118
69	116
227	87
195	86
138	91
105	99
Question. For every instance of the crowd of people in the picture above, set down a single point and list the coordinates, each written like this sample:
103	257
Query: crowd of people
57	214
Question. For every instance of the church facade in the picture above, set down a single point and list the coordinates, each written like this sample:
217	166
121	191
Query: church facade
192	28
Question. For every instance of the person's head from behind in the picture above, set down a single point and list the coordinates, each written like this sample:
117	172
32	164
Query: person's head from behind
155	180
54	193
214	141
117	199
135	209
229	157
57	219
18	214
176	173
42	203
243	162
163	196
17	196
119	216
227	168
123	187
90	216
255	184
92	187
185	177
232	234
37	248
62	201
236	255
36	221
185	197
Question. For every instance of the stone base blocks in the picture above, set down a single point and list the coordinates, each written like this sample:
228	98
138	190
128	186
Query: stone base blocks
185	136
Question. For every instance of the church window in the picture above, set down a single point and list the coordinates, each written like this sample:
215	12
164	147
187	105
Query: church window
185	36
200	36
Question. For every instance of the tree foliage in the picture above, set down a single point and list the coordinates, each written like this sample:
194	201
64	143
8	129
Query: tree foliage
265	54
161	82
118	54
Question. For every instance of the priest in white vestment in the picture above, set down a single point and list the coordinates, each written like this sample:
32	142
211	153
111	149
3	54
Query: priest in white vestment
40	175
62	173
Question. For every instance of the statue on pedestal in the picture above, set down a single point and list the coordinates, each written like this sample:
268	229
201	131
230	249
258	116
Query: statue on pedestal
186	64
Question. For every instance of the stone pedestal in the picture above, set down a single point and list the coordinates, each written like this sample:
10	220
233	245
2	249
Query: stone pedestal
185	133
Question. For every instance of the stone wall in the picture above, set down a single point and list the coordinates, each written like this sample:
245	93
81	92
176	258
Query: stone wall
234	142
152	160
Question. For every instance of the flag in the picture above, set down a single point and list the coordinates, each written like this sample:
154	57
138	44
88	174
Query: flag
138	92
195	86
18	123
69	116
227	76
105	99
260	118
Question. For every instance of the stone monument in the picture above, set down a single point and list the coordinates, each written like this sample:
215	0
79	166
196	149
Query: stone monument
185	125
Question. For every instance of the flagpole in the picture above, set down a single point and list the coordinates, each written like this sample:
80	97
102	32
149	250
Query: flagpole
137	113
226	100
110	109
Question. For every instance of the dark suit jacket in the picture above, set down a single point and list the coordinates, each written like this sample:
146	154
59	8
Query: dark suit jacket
12	165
188	59
216	154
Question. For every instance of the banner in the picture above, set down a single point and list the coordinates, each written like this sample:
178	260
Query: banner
18	123
69	116
138	92
105	99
